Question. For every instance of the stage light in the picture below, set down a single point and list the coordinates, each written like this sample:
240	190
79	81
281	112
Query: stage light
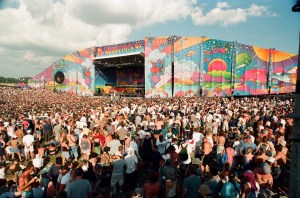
296	7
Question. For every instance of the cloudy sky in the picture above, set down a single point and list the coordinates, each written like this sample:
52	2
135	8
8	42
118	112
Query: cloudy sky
35	33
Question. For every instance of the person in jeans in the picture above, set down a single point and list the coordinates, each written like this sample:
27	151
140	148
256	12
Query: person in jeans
47	130
73	145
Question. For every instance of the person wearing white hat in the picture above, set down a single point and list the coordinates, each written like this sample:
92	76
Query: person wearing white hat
28	141
283	144
131	162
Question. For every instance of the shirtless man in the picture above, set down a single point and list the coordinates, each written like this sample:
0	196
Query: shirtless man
261	157
220	142
25	182
19	133
14	144
73	144
207	159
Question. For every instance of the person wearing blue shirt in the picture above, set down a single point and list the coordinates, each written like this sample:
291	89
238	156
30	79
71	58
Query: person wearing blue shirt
191	184
231	188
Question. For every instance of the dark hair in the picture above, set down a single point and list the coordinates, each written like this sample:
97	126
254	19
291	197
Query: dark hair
213	171
79	171
62	194
58	160
153	177
171	148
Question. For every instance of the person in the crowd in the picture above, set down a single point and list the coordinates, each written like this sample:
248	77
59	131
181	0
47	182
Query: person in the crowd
118	173
25	182
231	188
131	162
225	134
151	188
79	187
191	184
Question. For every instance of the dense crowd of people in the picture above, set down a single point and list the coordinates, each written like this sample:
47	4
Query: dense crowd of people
63	145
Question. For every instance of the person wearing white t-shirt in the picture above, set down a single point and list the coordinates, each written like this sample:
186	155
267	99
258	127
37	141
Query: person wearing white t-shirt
28	141
131	161
113	145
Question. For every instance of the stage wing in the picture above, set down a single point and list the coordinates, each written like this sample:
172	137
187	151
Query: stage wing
187	67
284	72
158	64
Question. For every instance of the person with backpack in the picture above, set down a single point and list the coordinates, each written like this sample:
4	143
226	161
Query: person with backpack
231	188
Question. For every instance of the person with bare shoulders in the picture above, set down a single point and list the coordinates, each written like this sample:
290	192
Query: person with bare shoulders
207	157
108	139
264	177
261	157
19	133
220	142
25	182
14	144
284	148
72	139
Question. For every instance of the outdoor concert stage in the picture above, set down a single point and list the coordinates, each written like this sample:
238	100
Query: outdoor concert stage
123	74
173	66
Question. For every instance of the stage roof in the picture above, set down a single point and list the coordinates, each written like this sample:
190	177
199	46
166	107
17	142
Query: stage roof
121	55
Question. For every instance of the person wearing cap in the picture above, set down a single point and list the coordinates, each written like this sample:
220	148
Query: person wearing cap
28	141
284	148
117	173
204	191
79	187
64	177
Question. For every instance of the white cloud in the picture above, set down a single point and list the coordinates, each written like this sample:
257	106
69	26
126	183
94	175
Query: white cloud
38	31
224	15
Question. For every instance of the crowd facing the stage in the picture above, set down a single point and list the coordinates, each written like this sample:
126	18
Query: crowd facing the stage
63	145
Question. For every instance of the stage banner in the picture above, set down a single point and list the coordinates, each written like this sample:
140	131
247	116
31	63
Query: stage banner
187	60
284	72
251	70
158	66
217	61
120	49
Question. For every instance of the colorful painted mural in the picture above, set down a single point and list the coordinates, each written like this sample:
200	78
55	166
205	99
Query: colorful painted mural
158	66
251	70
199	65
217	65
78	70
283	73
187	71
217	68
